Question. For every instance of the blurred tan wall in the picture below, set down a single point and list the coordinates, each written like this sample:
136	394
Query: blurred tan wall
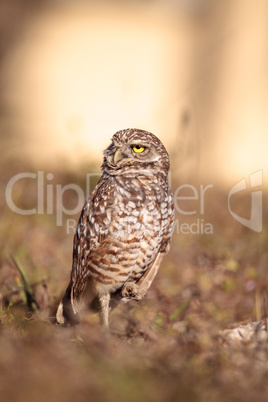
192	72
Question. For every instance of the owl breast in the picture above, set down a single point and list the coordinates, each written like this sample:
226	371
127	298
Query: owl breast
127	228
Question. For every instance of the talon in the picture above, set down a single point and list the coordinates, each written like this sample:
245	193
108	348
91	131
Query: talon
131	291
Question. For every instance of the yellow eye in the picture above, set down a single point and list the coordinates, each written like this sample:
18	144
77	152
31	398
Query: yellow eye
138	149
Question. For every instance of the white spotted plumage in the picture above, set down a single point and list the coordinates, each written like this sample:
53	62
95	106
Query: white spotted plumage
126	223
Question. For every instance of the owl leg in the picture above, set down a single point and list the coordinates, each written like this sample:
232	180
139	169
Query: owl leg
131	290
137	291
105	309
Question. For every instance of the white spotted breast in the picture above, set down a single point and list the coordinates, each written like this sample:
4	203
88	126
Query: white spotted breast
124	233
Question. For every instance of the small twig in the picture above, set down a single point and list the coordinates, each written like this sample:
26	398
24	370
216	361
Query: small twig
265	305
258	304
31	302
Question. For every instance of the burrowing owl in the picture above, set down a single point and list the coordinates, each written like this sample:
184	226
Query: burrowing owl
124	229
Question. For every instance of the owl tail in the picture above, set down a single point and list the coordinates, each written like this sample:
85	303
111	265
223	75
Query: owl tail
67	313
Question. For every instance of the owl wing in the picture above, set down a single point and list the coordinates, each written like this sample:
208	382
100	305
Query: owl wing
168	220
91	231
147	279
168	216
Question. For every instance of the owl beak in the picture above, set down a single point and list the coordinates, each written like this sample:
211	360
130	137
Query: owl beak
118	156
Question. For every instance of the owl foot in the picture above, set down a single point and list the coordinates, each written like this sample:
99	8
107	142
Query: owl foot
131	290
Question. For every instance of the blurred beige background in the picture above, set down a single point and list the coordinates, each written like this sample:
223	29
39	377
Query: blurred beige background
192	72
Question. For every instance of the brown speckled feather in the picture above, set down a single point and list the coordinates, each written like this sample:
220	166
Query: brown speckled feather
125	225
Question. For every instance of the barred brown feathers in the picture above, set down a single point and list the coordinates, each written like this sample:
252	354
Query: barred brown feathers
124	229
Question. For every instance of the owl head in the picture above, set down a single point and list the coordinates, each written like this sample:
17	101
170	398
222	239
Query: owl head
133	151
